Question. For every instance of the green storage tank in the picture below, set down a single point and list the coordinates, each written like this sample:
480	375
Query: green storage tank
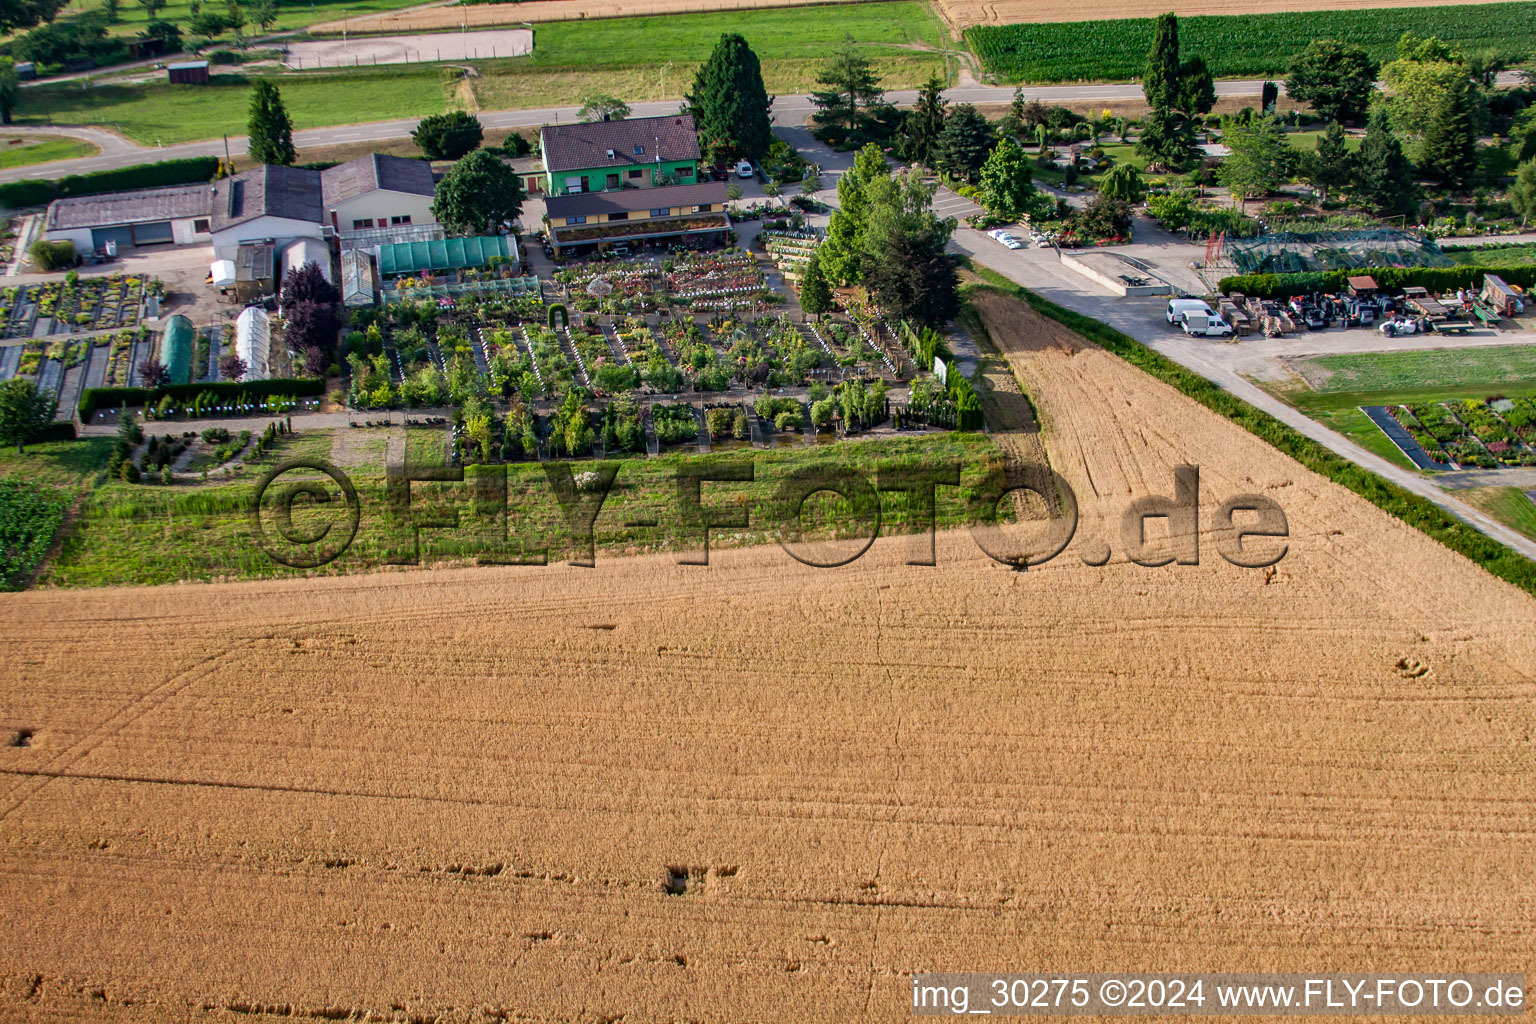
176	348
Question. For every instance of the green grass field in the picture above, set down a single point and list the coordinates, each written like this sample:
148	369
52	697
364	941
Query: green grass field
1485	370
624	57
157	112
1509	505
137	534
1239	45
131	18
46	150
1498	256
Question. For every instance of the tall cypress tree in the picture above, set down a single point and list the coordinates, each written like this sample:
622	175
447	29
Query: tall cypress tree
271	132
1383	180
730	104
1450	139
1161	83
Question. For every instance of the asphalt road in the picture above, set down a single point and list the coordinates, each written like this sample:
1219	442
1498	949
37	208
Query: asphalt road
791	110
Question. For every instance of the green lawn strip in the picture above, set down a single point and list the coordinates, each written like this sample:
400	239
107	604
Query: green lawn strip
1496	256
156	112
1240	45
1509	505
47	150
1359	428
1417	512
152	534
1306	142
1490	369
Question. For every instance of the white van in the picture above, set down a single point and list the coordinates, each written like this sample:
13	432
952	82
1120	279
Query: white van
1178	307
1205	325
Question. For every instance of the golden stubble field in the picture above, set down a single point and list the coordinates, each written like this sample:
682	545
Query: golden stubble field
465	795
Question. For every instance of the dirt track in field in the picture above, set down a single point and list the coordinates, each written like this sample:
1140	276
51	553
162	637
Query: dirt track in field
463	795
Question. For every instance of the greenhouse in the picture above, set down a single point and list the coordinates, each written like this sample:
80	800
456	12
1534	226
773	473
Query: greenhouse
251	333
1287	253
176	349
445	254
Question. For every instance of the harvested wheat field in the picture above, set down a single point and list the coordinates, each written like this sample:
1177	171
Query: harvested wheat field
758	791
963	14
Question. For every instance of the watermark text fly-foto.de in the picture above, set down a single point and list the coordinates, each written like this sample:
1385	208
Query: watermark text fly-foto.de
1248	530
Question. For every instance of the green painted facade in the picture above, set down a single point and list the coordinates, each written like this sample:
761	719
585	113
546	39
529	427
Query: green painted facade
601	179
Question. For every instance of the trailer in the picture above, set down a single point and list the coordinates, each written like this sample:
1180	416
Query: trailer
1420	300
1501	297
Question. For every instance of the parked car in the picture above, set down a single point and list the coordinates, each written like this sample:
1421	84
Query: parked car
744	169
1006	238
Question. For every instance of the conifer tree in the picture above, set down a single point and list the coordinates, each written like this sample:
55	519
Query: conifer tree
270	130
1161	82
1383	181
730	104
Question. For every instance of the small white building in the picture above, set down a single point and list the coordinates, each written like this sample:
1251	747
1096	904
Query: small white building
268	201
252	332
306	250
378	191
155	216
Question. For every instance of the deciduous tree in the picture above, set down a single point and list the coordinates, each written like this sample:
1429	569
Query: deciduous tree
478	194
1258	161
23	413
448	136
1007	182
602	107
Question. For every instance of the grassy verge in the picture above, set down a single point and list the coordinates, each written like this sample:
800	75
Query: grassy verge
1420	513
151	534
47	150
1498	256
1509	505
1240	45
1485	369
627	57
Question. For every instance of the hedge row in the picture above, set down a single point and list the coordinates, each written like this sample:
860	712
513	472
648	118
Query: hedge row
41	192
236	391
1420	513
56	431
1436	279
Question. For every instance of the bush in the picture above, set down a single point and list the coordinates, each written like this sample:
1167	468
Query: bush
41	191
53	255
